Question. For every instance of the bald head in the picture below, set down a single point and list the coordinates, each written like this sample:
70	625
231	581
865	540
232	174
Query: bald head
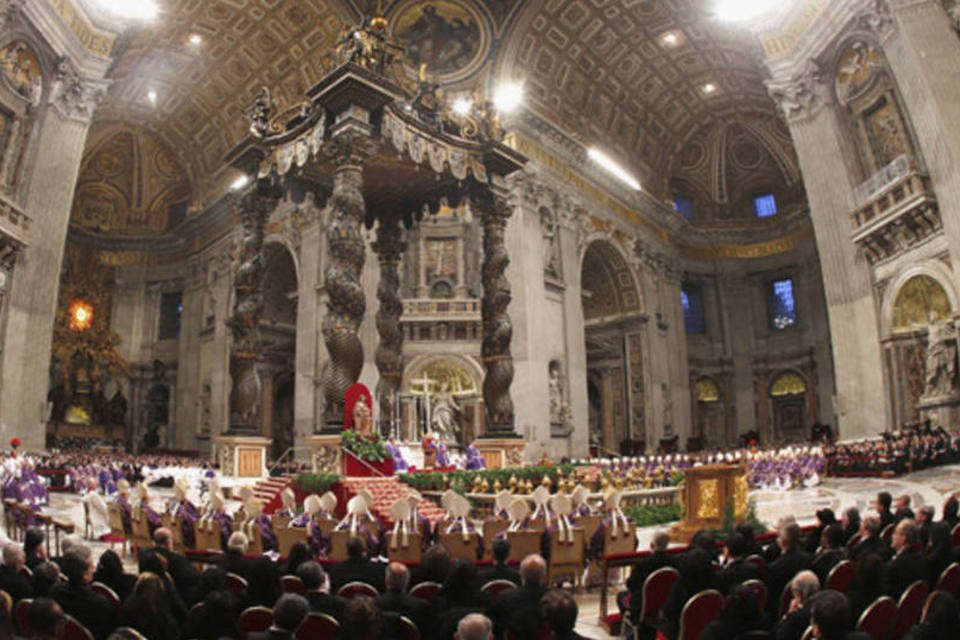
398	577
475	626
805	585
533	569
163	537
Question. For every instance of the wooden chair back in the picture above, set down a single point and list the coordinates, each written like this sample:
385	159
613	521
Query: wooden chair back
117	532
255	536
412	552
625	542
590	524
338	545
278	521
566	558
140	529
327	525
491	529
460	548
289	536
523	543
176	530
208	536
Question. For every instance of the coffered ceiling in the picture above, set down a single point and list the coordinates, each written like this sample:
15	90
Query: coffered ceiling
636	77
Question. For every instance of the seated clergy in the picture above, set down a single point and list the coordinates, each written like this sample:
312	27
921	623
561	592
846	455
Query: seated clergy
360	522
123	500
458	519
419	522
185	512
614	520
257	520
580	505
216	517
288	501
147	511
316	508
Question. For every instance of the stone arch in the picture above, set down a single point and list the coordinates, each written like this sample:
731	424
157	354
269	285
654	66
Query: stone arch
789	400
463	376
422	364
616	291
930	276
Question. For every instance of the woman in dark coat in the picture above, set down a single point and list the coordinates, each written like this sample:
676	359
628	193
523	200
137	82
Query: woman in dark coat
110	572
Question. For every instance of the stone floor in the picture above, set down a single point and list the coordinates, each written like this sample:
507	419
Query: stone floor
931	486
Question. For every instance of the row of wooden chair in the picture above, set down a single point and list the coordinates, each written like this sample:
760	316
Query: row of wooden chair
16	515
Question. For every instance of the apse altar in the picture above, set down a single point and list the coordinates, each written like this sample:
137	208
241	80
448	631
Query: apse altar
383	149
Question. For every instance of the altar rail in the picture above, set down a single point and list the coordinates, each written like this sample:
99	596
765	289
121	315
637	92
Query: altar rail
629	499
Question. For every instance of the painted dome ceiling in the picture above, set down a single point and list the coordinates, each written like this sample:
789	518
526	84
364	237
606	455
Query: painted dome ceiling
642	78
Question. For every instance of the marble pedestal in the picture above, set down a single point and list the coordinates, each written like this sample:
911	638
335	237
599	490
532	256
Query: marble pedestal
325	456
242	456
500	453
942	410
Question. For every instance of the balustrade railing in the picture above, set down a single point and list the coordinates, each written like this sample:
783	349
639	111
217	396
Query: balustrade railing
897	170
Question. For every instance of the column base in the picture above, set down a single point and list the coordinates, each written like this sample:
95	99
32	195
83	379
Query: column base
242	456
325	454
501	452
944	410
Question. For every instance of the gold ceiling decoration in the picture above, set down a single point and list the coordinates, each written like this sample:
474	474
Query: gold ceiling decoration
917	299
609	286
446	374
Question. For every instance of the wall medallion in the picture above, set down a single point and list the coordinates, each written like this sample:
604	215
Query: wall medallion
20	68
451	38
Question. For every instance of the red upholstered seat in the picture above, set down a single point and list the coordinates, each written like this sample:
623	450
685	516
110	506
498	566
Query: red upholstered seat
840	576
759	563
408	630
955	535
317	625
699	612
852	542
494	588
785	597
760	589
887	534
73	630
355	589
293	584
656	590
255	619
106	592
909	607
427	591
878	620
950	580
237	584
20	612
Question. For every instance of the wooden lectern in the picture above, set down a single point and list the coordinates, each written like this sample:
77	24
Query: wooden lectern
706	493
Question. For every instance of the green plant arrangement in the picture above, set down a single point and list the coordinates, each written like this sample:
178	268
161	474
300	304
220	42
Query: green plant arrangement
365	447
463	481
309	483
729	523
654	515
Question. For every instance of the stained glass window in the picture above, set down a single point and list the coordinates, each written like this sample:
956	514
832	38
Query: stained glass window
684	206
691	297
765	205
782	306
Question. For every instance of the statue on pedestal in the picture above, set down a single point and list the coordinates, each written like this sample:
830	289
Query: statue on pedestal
560	413
443	418
941	359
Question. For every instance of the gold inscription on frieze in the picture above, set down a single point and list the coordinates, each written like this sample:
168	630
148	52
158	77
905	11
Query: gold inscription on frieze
708	503
95	42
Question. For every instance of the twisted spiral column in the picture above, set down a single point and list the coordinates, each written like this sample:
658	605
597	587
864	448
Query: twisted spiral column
497	327
245	392
346	302
389	247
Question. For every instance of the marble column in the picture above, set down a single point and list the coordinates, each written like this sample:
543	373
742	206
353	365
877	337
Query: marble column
822	144
311	353
346	301
389	354
497	327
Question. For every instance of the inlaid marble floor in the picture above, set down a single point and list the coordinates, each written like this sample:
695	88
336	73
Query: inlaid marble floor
930	486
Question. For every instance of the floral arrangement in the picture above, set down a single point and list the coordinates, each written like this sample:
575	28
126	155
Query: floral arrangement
366	447
309	483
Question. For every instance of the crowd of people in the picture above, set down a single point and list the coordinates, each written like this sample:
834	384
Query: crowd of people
898	452
919	549
170	598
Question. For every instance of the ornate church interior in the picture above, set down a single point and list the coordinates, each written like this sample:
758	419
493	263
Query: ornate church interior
270	237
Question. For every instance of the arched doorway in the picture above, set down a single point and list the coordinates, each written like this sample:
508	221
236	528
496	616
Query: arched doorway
788	406
711	418
920	299
441	393
611	310
279	329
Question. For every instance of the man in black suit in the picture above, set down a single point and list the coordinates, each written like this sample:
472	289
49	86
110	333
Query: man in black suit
737	570
356	568
797	618
519	609
11	580
500	569
560	615
884	501
924	520
792	560
908	563
289	611
314	578
903	510
830	617
234	559
397	600
832	551
870	541
185	575
632	598
90	609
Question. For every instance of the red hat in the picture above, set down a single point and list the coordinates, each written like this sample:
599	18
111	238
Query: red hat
15	442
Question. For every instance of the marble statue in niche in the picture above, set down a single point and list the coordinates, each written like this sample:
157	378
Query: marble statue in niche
443	415
560	413
941	359
551	243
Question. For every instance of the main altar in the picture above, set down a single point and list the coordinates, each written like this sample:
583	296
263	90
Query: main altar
382	149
